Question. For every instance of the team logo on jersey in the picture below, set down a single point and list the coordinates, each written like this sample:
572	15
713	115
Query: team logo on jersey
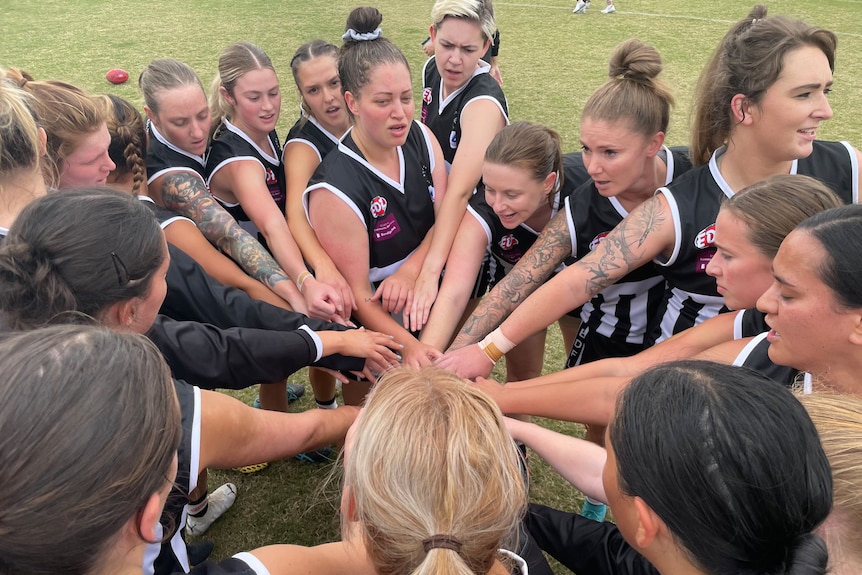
508	242
270	177
427	95
597	240
706	238
453	140
378	206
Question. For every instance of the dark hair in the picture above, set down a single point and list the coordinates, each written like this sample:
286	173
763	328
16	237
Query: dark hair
128	147
89	427
732	464
633	91
748	61
839	231
77	251
305	53
358	57
773	207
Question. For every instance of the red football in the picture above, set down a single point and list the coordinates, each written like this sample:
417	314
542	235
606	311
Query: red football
117	76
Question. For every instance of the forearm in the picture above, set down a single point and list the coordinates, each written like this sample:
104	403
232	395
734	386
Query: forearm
589	401
234	434
186	193
446	223
447	311
578	461
552	246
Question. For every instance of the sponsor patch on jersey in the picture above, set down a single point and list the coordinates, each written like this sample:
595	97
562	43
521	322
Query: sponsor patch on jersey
597	240
453	140
706	238
386	229
508	242
378	206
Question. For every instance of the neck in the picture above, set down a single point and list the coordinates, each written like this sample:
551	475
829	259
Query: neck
839	377
654	177
256	136
18	189
745	163
336	130
843	559
377	156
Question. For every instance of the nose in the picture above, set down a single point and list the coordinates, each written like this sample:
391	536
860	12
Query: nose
713	268
825	111
110	166
197	130
766	302
592	164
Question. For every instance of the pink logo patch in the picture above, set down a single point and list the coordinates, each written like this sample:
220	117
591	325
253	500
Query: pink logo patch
378	206
508	242
597	240
706	238
386	228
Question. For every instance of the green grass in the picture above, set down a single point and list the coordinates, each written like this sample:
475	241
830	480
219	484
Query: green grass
551	61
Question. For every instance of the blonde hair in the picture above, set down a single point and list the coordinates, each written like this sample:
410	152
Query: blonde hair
233	62
431	456
479	11
838	419
162	75
20	144
68	115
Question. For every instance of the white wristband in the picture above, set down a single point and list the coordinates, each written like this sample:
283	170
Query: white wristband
496	345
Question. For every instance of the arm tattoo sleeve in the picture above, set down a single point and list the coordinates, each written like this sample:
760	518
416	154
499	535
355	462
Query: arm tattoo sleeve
623	249
186	193
552	246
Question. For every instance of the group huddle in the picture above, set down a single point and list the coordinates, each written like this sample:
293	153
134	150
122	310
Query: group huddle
707	296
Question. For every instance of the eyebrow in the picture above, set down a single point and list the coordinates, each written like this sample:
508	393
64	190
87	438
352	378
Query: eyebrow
781	280
814	86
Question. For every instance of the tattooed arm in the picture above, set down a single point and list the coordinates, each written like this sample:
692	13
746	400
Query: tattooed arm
552	246
186	193
646	232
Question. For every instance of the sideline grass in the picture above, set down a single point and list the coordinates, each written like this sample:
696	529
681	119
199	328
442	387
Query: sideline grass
551	61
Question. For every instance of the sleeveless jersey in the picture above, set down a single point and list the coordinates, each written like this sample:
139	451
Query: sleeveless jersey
694	202
504	245
165	216
230	144
311	133
755	356
164	157
621	312
749	323
396	214
443	117
170	556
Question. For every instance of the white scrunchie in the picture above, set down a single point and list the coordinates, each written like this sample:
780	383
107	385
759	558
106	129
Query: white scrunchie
352	34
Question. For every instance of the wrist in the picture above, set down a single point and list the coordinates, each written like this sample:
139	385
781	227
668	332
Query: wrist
496	345
302	278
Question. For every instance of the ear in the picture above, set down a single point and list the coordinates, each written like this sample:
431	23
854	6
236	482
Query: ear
432	31
43	142
148	518
740	107
226	95
655	144
120	315
348	505
151	116
486	46
649	524
856	334
351	102
550	182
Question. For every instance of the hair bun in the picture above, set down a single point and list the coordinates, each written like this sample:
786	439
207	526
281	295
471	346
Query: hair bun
635	60
807	556
363	24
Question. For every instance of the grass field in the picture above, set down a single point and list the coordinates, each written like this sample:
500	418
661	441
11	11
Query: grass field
551	61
